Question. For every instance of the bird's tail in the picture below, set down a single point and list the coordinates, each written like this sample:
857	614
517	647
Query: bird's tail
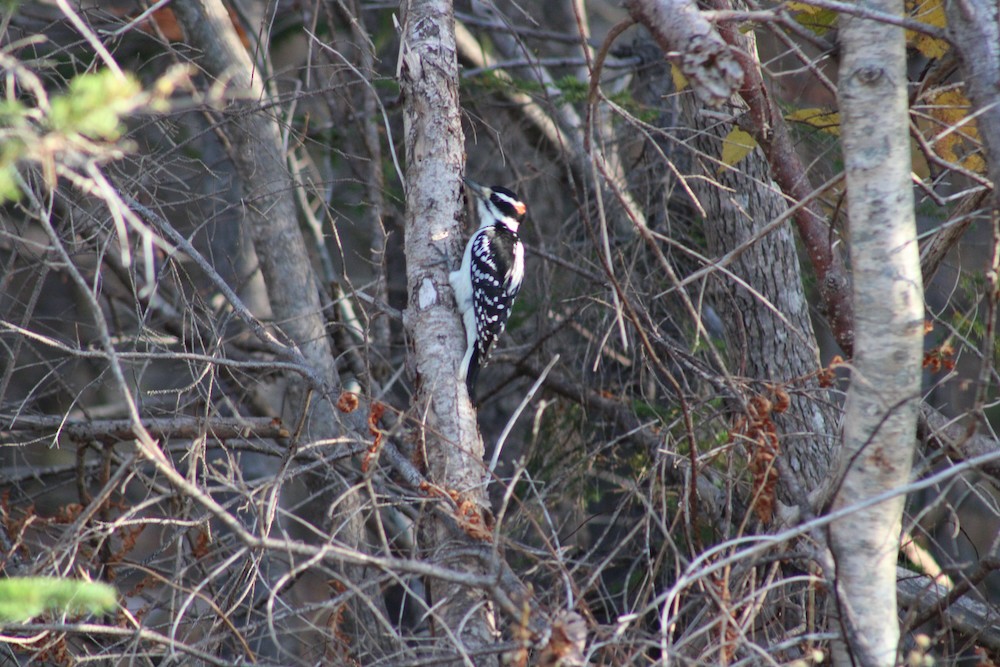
472	374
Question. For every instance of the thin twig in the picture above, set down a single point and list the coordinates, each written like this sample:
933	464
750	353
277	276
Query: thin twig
517	413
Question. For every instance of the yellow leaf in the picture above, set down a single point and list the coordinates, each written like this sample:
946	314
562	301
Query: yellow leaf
918	161
803	7
950	106
930	47
736	146
929	12
825	121
812	17
680	81
961	145
975	162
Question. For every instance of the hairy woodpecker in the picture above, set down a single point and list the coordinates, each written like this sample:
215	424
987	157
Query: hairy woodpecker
490	276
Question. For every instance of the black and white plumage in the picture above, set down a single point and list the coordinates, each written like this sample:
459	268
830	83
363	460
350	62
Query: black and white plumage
490	276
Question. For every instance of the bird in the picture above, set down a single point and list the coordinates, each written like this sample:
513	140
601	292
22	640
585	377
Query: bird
490	276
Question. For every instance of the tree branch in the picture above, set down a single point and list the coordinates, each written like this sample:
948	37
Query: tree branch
689	39
258	155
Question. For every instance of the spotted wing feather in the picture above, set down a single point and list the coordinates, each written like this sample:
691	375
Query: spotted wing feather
497	268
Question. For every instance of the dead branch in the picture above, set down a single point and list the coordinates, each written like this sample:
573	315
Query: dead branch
687	38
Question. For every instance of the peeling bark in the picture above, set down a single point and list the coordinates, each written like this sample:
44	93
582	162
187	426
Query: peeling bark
698	50
454	448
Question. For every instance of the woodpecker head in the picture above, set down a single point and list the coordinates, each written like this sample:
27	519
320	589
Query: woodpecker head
497	205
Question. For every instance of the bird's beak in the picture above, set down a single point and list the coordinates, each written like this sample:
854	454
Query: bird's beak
477	189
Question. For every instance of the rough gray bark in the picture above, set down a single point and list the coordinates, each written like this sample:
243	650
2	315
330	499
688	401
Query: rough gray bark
768	329
883	399
975	27
921	595
271	216
454	449
769	333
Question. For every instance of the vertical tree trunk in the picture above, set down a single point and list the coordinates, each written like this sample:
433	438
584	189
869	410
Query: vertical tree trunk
272	218
975	27
768	330
882	402
454	448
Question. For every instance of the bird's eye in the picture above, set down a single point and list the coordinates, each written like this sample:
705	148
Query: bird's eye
507	203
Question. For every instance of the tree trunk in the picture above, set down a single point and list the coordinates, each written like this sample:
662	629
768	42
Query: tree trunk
975	26
768	330
453	446
882	402
271	215
765	313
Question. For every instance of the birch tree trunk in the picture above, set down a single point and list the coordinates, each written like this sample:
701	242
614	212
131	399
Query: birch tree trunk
883	399
453	446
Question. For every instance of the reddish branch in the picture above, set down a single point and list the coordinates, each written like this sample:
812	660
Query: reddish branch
768	127
980	61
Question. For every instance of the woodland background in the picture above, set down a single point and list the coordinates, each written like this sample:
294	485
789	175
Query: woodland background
755	346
